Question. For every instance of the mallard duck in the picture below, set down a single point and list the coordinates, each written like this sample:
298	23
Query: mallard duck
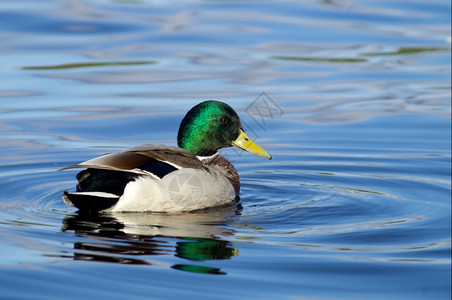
163	178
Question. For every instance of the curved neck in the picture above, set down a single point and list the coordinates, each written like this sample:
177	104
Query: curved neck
196	141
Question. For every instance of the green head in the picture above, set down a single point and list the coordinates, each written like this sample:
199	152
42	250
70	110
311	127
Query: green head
212	125
207	127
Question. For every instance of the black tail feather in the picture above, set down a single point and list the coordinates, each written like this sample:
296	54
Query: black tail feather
87	202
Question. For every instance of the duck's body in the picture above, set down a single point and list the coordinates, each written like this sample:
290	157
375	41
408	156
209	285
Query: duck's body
167	178
154	178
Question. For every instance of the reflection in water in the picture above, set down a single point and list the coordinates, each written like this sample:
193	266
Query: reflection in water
130	238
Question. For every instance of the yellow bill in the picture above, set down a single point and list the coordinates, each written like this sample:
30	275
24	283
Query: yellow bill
245	143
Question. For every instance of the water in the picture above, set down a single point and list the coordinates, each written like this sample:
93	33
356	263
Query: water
355	112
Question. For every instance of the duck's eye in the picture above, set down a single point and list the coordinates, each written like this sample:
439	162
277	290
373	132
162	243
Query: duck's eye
224	120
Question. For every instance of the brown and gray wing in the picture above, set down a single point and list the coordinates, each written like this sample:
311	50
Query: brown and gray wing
156	159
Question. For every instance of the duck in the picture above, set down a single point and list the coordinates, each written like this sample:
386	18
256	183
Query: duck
164	178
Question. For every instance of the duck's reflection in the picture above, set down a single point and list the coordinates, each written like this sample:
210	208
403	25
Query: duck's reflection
133	238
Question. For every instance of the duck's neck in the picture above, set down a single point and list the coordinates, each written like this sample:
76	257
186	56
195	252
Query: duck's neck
198	147
197	140
202	157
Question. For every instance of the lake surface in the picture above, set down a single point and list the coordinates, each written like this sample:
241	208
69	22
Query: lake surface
351	98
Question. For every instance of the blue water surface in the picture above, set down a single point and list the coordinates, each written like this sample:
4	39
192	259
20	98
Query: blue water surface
351	98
